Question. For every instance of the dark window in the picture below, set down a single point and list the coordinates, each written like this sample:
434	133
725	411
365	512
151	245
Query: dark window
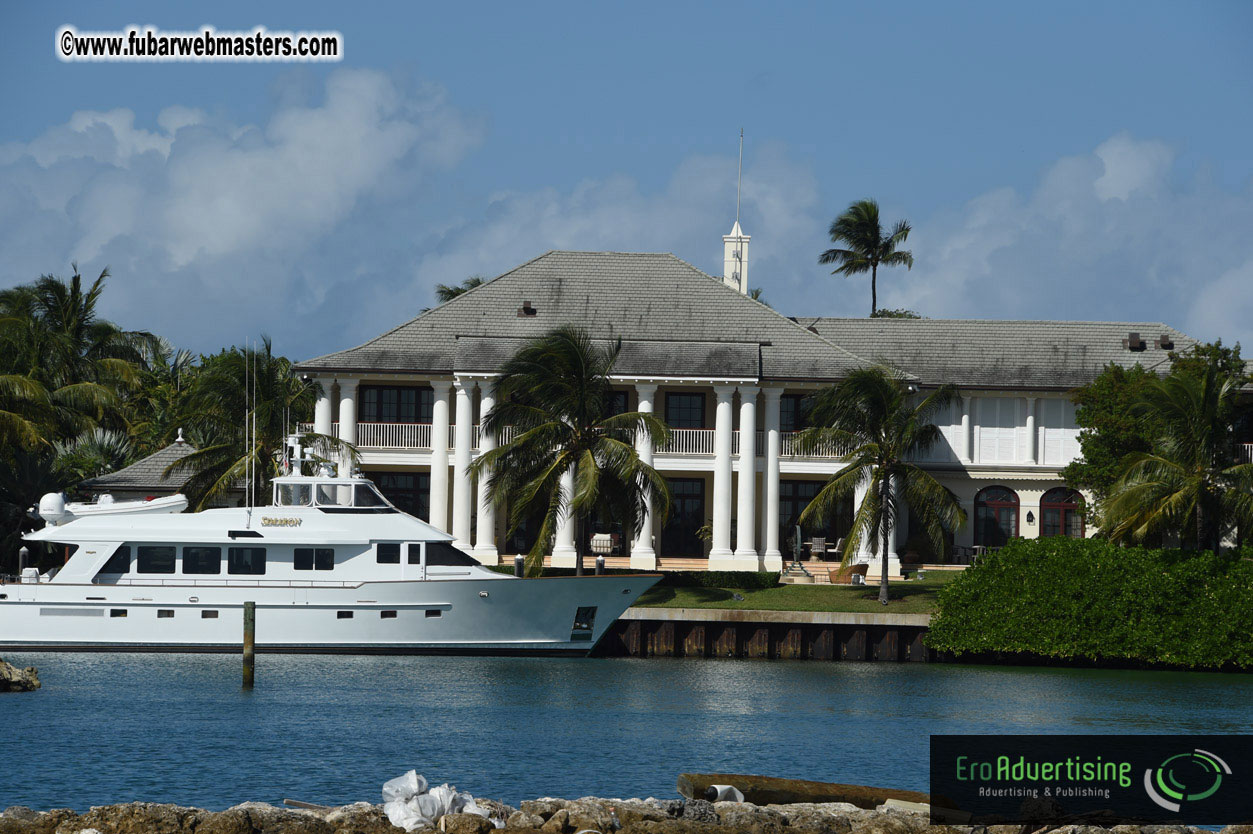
367	497
410	492
324	558
414	554
165	613
208	615
444	554
792	412
156	559
395	404
249	561
343	615
202	560
387	553
680	537
794	497
387	615
1061	513
119	562
432	613
302	559
117	612
996	516
618	403
685	411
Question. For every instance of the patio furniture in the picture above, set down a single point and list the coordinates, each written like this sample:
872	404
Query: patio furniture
844	575
817	549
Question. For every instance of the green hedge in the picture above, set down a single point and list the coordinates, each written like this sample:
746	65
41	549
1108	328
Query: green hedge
734	579
1087	600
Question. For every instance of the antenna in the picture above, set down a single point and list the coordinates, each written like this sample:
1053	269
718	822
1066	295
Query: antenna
739	176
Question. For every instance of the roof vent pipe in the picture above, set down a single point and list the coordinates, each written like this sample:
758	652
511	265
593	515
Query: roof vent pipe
526	310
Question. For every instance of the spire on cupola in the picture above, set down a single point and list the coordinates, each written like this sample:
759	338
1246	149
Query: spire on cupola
735	245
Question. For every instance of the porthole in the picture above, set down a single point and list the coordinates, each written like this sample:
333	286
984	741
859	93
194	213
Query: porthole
432	613
343	615
165	613
387	615
208	615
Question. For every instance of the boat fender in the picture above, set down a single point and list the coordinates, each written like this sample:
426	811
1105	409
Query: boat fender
723	793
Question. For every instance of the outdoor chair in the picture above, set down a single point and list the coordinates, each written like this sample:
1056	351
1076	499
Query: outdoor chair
817	549
844	575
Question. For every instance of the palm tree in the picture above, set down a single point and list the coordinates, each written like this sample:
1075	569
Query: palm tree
1192	482
445	293
221	395
555	393
871	420
858	228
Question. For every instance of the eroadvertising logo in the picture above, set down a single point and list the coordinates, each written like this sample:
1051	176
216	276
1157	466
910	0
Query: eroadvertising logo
1054	779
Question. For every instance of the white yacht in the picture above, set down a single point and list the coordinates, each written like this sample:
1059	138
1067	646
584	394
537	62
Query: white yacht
331	566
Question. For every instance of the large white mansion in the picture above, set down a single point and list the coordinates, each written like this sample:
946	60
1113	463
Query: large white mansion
728	375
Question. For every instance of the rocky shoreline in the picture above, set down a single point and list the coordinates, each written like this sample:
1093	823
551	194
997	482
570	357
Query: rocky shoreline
13	679
546	816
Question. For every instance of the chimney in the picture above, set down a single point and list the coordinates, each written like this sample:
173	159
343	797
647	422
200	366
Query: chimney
1133	342
735	259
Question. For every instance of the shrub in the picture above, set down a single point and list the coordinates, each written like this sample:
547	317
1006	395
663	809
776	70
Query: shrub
736	579
1090	600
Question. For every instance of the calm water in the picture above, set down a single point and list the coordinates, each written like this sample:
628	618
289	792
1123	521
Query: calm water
175	728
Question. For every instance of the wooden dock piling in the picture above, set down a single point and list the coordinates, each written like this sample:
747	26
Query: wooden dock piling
250	639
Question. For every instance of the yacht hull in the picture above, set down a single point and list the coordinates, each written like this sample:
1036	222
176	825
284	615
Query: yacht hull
473	615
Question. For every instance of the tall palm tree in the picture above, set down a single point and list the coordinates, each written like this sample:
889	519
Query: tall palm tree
868	247
233	389
555	393
1192	482
445	293
872	421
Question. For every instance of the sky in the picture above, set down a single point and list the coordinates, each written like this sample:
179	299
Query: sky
1061	160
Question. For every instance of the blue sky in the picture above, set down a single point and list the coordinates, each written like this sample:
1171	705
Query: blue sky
1063	160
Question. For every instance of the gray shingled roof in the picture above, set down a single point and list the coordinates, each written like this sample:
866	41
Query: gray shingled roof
148	473
678	320
1000	354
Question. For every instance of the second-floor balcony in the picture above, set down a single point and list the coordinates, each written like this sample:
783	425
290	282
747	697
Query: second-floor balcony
695	442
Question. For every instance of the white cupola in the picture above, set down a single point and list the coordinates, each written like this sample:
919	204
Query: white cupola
735	259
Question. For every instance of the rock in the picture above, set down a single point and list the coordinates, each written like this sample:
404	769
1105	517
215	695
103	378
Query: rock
700	810
360	818
1234	829
557	822
262	817
542	807
671	807
675	826
745	816
465	824
819	817
13	679
631	811
21	822
892	823
141	818
591	813
521	819
495	810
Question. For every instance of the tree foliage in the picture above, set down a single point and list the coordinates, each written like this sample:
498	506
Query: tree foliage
866	246
900	313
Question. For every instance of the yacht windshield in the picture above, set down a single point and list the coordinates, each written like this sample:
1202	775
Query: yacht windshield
367	497
294	495
335	495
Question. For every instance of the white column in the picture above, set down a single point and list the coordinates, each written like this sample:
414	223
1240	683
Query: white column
1033	445
439	456
323	420
746	515
643	556
462	438
966	452
863	549
485	537
720	556
773	559
347	418
563	545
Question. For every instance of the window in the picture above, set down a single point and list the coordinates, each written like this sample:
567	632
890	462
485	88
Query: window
443	554
165	613
996	516
343	615
618	403
367	497
208	615
685	411
294	495
387	553
395	404
414	554
248	561
409	492
433	613
119	562
387	615
202	560
1061	513
311	558
791	412
117	612
156	559
997	428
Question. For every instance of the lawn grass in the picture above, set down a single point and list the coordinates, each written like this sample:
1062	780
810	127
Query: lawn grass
911	596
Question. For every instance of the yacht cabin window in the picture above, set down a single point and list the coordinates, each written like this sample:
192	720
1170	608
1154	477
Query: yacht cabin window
246	561
202	560
156	559
444	554
293	495
387	553
368	497
119	562
335	495
415	554
314	558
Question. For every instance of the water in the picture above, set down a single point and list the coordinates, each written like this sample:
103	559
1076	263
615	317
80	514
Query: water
176	728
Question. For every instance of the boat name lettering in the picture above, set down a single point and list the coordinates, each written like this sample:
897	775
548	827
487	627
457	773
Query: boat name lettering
271	521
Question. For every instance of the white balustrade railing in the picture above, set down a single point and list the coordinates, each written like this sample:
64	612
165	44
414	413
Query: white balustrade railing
688	442
789	447
1245	452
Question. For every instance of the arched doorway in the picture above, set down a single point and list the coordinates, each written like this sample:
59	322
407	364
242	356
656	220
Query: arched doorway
996	516
1061	513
